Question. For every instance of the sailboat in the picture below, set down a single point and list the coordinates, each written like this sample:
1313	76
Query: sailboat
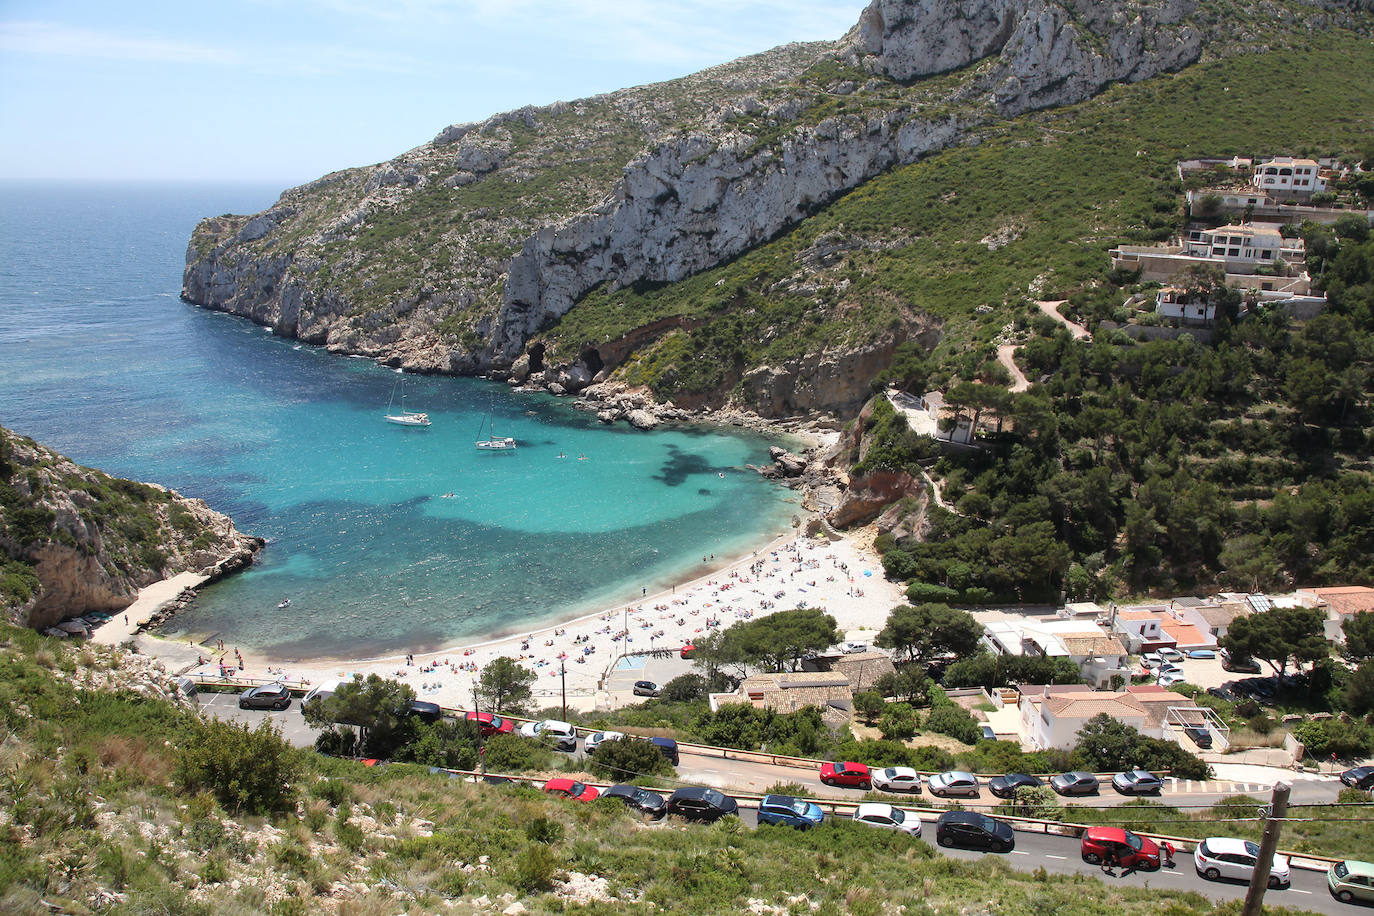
493	442
405	417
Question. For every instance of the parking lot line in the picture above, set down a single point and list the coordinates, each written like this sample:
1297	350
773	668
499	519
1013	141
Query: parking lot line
1017	852
1048	856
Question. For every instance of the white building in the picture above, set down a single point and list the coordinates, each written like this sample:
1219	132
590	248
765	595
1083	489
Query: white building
1249	245
1186	306
1097	654
1288	176
1052	716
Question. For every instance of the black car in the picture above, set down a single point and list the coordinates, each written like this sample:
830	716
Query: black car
646	689
1239	665
1359	777
424	711
641	800
1221	693
1200	734
1006	786
268	696
697	803
975	831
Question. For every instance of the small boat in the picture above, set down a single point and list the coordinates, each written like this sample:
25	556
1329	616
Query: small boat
411	418
283	604
493	442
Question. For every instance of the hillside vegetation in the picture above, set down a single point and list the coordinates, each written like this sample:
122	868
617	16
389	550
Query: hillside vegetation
120	803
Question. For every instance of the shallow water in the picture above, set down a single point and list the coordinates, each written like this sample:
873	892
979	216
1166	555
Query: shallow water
384	538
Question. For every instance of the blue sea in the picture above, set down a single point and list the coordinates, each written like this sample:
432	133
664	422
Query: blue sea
386	539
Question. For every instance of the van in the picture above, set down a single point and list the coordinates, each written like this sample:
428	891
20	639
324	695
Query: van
323	690
667	747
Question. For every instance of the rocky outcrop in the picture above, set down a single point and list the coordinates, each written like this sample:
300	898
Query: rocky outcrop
866	497
77	540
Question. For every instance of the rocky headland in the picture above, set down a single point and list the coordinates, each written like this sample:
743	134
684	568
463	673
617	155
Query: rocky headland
74	540
464	254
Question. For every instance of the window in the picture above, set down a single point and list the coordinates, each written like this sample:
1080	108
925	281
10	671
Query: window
1267	255
1233	252
1219	251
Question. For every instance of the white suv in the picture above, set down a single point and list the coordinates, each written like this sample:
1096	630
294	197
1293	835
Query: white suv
562	734
1224	857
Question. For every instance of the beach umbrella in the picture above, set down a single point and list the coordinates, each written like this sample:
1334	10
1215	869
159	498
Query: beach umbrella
868	572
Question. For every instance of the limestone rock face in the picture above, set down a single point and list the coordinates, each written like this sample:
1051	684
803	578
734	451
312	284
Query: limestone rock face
75	535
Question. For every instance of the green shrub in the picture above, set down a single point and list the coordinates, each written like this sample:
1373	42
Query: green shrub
514	754
249	770
629	760
544	830
928	593
535	868
898	722
956	722
684	689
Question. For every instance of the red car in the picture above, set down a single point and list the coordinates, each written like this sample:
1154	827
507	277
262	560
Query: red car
491	724
570	789
1124	848
855	775
687	650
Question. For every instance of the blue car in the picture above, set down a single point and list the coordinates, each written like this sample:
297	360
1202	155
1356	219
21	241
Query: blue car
790	812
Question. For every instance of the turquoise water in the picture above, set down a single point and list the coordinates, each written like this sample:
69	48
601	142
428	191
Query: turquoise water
385	538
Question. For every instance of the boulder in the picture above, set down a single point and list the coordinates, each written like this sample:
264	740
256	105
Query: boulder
642	419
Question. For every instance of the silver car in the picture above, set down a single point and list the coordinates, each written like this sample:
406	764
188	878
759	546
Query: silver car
954	782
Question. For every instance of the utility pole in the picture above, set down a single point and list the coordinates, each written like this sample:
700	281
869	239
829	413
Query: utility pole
563	679
1273	822
481	739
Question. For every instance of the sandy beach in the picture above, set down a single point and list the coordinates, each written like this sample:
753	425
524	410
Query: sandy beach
839	577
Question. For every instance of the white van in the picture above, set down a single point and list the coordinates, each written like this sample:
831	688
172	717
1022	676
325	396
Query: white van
323	690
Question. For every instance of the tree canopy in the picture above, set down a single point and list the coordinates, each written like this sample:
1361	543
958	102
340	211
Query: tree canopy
504	685
1106	745
924	632
771	642
1359	635
378	707
1278	636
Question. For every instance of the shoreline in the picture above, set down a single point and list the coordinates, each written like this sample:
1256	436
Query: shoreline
842	577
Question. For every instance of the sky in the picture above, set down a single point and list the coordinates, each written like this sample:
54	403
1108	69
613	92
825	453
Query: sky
288	90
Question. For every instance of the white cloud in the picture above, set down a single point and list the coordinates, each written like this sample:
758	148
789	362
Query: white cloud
53	38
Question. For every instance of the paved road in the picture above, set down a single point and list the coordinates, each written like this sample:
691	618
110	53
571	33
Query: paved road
226	706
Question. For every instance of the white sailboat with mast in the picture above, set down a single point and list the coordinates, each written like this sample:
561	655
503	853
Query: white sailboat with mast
493	442
411	418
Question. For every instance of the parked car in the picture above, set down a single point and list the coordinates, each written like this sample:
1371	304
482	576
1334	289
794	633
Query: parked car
853	648
596	739
1350	881
698	803
1167	668
1170	678
1137	782
897	779
489	723
1168	653
268	696
1221	693
1075	782
953	782
1239	665
1225	857
562	735
1201	653
1359	777
687	651
641	800
1200	735
878	814
1151	660
667	747
569	788
646	689
1006	786
788	811
971	829
1119	845
425	711
854	775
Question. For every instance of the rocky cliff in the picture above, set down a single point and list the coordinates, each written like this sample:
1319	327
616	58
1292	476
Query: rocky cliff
457	255
74	540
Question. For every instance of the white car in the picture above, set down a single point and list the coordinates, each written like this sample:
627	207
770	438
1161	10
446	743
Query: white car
1151	660
561	734
1171	654
1225	857
877	814
593	741
954	782
1170	678
853	648
897	779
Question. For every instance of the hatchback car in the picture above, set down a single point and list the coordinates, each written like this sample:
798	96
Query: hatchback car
425	711
488	723
637	799
854	775
1200	735
1170	654
268	696
787	811
561	734
1359	778
646	689
1350	881
953	782
1006	786
1137	782
1076	782
1170	678
877	814
569	788
1239	665
698	803
1151	660
897	779
974	830
1225	857
1121	846
595	740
